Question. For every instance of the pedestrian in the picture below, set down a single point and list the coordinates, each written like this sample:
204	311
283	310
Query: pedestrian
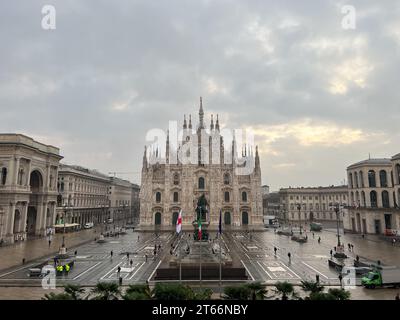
317	278
362	236
319	239
131	263
146	257
49	243
76	253
397	297
23	260
393	241
289	256
313	235
334	248
275	249
118	270
138	237
331	252
357	258
120	281
111	254
127	255
159	247
352	247
340	279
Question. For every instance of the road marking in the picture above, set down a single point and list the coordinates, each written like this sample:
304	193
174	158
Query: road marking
315	270
248	271
136	270
29	266
102	278
154	271
258	262
82	273
290	270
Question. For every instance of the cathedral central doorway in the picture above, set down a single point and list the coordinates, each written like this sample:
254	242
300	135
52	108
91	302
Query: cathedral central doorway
157	218
227	218
245	218
175	218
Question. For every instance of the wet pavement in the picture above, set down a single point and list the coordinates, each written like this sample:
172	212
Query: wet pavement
254	251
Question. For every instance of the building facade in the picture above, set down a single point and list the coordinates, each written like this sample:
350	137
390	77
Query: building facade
135	201
120	199
374	195
28	187
83	195
201	167
312	204
272	205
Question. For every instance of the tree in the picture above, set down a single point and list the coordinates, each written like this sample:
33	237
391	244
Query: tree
237	292
75	291
57	296
257	290
166	291
339	294
138	292
285	289
311	286
204	294
106	291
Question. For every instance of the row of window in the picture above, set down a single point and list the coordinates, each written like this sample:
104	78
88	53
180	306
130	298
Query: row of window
356	179
337	197
373	195
310	206
226	196
201	181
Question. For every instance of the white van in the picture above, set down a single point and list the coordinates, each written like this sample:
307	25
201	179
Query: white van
89	225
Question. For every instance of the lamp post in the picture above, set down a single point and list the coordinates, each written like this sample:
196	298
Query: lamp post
339	249
299	208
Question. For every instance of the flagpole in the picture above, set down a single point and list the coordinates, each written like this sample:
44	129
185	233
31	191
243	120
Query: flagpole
200	244
220	253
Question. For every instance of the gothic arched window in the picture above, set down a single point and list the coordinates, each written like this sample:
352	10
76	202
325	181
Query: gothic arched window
158	197
227	178
201	183
226	196
176	197
176	179
244	196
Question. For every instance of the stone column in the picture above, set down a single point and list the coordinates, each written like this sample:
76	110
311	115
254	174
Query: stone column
10	222
29	173
24	217
15	173
39	218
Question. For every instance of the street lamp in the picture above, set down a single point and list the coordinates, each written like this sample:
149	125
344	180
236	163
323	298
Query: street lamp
299	208
340	249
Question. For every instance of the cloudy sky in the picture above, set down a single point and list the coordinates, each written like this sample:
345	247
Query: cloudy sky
318	96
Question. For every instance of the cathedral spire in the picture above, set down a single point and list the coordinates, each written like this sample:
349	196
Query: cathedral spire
184	122
201	114
217	124
190	121
212	123
167	148
145	158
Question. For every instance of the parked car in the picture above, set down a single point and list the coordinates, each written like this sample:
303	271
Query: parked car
88	225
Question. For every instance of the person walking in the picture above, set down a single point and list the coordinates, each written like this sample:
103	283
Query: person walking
49	243
146	257
340	280
349	246
111	254
317	278
131	263
319	239
275	249
331	252
127	255
289	256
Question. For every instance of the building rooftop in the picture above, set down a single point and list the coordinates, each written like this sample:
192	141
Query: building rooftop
20	139
396	157
372	162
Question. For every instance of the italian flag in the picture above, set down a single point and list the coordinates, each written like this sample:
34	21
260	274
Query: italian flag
199	225
179	223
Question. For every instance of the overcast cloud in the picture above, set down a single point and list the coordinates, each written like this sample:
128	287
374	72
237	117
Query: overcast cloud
318	96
